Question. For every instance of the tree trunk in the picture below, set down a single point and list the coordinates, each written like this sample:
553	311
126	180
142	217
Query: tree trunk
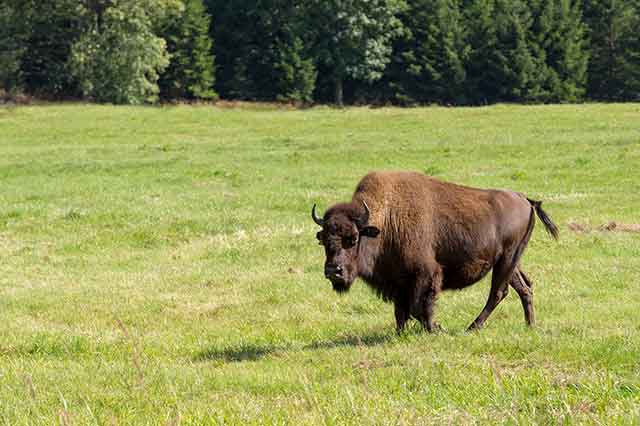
338	93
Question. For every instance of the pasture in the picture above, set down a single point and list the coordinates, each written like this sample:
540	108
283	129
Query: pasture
158	266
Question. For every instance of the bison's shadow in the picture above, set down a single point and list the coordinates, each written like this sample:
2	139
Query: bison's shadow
255	351
242	352
370	339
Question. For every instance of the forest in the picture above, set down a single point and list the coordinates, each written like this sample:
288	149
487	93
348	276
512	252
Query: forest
401	52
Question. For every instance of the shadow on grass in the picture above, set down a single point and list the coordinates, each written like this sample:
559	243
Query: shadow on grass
243	352
371	339
256	351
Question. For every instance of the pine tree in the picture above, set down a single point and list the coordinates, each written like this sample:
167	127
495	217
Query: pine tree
281	65
614	69
514	50
294	75
429	58
53	28
13	33
260	50
230	28
501	66
190	73
557	38
631	64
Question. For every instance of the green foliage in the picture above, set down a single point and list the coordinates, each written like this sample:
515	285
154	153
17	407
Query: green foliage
49	28
119	58
429	60
190	73
231	30
353	38
12	46
295	75
402	51
558	41
279	64
614	68
501	66
260	50
485	51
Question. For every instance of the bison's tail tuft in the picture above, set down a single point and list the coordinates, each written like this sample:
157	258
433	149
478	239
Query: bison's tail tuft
544	217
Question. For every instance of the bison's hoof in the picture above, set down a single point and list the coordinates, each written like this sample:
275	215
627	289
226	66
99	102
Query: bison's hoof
473	327
435	328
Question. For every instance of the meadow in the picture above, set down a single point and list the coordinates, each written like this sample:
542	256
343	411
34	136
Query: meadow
158	266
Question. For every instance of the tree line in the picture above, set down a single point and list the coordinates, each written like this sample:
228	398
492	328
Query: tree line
454	52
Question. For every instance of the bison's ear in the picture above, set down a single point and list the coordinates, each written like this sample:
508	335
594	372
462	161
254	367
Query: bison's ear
369	231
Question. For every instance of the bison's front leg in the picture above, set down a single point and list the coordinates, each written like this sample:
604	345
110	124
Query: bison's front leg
428	287
401	310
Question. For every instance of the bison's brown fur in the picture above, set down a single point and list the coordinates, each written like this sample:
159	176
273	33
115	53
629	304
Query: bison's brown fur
410	236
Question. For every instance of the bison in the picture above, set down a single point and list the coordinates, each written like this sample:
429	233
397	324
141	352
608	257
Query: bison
410	236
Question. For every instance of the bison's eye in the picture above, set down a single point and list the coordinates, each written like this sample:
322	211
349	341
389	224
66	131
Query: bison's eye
349	241
320	237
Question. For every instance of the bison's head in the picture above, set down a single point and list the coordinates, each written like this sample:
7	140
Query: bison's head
343	228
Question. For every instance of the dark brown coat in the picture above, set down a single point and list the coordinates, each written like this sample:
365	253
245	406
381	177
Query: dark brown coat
410	236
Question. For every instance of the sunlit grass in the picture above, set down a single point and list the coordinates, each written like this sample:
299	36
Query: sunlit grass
159	266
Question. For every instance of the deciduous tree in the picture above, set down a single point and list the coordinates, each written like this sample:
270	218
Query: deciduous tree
119	58
353	38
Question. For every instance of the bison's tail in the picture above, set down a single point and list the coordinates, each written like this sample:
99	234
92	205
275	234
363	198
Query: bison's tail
544	217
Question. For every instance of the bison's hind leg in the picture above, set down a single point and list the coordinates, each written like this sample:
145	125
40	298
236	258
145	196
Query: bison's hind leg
523	286
500	277
526	279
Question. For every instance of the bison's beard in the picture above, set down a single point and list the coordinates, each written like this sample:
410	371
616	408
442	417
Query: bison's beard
340	286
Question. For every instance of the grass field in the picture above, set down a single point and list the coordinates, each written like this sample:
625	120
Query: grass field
159	266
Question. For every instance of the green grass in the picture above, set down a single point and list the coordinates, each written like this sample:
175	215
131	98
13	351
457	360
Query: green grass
159	266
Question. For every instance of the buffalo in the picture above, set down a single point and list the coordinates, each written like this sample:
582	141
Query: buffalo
409	236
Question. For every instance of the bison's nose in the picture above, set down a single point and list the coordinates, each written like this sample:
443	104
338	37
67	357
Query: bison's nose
333	271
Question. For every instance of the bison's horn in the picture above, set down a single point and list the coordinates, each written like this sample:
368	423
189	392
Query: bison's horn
365	217
315	217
